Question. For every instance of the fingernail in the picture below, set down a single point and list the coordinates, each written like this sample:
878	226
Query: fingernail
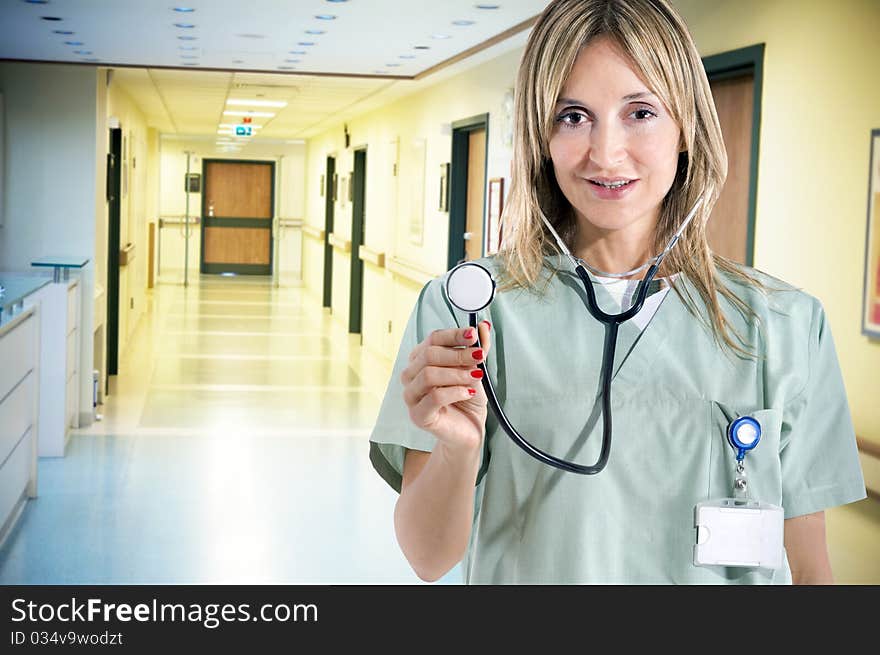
472	392
477	374
489	324
469	333
477	354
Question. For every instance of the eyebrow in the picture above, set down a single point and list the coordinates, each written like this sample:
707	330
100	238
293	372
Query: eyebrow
627	98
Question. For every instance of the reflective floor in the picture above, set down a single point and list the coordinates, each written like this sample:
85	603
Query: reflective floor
233	449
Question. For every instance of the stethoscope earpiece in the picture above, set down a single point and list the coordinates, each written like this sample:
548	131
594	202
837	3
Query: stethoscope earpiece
470	287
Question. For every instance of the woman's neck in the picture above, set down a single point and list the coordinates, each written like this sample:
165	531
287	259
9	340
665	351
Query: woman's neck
616	251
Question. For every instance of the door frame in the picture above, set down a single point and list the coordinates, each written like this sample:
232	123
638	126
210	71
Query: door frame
114	228
358	236
239	269
734	63
458	179
329	219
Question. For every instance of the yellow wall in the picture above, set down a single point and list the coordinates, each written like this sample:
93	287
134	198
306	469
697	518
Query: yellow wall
390	134
821	98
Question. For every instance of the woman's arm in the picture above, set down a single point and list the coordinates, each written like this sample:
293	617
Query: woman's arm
807	551
435	510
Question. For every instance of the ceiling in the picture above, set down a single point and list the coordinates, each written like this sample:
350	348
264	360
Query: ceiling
183	77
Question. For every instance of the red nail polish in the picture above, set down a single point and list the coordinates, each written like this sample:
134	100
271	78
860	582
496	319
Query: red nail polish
489	324
477	354
477	374
472	392
469	333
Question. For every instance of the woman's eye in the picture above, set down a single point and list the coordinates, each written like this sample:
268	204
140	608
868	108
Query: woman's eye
571	118
644	114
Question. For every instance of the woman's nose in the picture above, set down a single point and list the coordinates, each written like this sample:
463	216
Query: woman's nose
607	147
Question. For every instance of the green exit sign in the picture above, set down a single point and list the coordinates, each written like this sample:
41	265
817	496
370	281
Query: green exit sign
244	130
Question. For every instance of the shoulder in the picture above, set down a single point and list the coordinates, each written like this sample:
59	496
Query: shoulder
770	297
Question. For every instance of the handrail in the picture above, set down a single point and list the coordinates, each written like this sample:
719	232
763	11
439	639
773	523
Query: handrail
408	270
340	243
313	232
374	257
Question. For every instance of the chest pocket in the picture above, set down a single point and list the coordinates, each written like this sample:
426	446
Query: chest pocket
762	464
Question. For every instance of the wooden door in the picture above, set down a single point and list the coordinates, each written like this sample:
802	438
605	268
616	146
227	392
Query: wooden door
729	223
476	194
237	210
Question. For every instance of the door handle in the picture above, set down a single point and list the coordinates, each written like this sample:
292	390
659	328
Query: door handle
467	236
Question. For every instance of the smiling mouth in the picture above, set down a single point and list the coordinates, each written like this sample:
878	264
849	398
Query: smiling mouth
612	185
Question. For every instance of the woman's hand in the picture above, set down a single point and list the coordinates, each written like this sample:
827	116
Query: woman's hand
442	388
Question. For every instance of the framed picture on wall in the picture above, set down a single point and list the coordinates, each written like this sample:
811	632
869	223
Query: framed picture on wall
496	206
871	307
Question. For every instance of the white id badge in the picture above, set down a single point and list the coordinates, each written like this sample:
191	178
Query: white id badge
732	532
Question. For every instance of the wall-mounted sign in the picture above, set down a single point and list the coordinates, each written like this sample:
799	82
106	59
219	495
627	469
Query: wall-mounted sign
244	130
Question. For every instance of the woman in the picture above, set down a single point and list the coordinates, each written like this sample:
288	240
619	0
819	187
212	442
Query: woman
616	140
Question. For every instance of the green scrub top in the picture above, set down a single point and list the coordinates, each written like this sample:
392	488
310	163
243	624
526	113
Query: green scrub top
674	393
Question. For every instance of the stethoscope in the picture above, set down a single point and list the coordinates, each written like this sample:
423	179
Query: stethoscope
471	287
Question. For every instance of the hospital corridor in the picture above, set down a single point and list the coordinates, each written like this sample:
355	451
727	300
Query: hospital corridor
215	225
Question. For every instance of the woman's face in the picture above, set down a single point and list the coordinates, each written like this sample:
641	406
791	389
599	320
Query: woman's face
609	128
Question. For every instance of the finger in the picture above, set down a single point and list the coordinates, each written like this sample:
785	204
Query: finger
426	412
425	356
432	377
485	328
465	336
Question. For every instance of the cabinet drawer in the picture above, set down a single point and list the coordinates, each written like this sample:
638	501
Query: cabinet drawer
72	296
71	354
18	353
14	475
16	415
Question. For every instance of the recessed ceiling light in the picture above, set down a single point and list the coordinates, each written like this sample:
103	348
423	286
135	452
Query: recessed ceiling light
183	10
440	36
83	52
232	126
463	23
188	38
297	52
93	60
190	63
252	36
337	1
325	17
392	65
293	61
50	18
189	56
316	32
64	32
184	26
286	68
378	72
188	47
487	6
421	47
407	56
74	43
305	43
258	114
238	61
256	103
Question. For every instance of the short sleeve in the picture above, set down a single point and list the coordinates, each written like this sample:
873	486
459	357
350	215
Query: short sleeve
394	432
818	452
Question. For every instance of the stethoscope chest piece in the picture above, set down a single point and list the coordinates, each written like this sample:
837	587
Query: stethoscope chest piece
470	287
743	434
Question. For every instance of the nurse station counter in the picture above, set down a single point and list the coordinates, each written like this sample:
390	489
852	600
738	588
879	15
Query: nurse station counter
39	381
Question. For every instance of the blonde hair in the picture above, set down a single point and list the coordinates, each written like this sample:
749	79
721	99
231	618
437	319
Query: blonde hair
656	40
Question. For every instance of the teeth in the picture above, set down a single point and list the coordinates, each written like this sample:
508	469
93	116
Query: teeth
613	185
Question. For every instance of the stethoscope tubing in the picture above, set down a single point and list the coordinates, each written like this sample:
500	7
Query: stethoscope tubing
612	323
